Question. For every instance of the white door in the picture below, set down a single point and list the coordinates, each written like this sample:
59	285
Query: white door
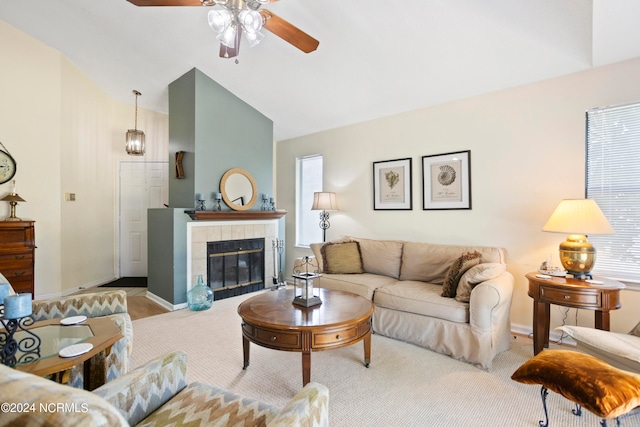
143	185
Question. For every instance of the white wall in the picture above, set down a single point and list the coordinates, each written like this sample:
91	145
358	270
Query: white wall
66	135
527	153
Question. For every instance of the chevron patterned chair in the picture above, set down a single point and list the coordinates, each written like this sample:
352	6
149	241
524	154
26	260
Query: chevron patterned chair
112	304
155	394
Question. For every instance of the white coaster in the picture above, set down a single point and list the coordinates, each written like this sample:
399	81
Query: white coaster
75	349
73	320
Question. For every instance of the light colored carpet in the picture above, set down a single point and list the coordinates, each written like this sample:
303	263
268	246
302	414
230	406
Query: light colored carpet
405	385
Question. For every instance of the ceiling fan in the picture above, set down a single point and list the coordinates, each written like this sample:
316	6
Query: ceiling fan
232	18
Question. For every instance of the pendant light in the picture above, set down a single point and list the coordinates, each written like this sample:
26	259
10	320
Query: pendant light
135	137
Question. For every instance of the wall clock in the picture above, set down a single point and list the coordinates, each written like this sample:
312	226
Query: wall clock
7	165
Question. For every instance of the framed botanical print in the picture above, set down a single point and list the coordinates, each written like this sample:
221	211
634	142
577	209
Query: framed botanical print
446	181
392	185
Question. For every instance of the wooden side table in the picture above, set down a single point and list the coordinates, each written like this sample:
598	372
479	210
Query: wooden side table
103	334
572	293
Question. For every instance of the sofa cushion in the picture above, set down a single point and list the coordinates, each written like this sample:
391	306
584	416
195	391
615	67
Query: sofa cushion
429	263
421	298
342	258
617	349
360	284
475	275
202	404
316	248
381	256
455	272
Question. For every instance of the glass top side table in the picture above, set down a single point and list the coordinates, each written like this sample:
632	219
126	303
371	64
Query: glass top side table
54	338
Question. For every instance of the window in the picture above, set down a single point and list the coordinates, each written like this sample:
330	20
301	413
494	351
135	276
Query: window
308	181
613	181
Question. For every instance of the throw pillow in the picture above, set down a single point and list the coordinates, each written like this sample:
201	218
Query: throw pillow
316	248
342	258
457	269
475	275
602	389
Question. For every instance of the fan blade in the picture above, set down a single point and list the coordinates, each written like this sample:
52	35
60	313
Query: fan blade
288	32
166	2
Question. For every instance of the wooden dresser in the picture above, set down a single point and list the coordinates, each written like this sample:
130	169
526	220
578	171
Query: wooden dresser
17	250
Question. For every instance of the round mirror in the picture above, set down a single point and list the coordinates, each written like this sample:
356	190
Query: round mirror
238	189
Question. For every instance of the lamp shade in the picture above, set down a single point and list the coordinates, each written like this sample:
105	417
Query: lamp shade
578	216
12	197
323	201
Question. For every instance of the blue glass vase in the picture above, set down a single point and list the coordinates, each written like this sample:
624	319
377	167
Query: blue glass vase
200	297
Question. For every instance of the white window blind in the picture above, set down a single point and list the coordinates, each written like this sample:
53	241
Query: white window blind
613	181
308	181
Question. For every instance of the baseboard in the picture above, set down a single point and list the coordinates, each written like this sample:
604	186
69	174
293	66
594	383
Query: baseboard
554	336
75	289
164	303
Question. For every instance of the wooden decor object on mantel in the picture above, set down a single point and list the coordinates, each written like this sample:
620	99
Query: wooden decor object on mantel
234	215
179	168
17	254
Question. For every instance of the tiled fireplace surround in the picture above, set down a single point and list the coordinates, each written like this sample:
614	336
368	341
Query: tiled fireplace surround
199	233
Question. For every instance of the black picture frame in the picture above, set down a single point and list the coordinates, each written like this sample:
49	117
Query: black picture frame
446	181
392	185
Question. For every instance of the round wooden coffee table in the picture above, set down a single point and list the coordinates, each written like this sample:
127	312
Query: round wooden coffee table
272	320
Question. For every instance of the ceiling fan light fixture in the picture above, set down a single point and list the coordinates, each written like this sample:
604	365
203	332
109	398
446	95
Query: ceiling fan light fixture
254	38
219	20
250	20
228	36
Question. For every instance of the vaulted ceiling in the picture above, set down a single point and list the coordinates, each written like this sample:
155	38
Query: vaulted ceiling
375	58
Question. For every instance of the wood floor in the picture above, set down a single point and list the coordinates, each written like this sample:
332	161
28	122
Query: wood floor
138	305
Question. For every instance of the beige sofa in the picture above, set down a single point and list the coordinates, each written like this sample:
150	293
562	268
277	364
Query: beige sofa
405	282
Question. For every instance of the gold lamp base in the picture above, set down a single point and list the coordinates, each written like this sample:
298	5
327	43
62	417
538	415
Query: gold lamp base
13	200
578	256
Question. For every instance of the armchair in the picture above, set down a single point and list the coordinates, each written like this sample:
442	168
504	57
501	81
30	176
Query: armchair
112	304
617	349
155	394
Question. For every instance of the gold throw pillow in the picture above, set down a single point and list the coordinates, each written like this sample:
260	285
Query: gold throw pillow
342	258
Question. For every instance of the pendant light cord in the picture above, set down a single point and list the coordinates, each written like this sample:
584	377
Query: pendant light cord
135	125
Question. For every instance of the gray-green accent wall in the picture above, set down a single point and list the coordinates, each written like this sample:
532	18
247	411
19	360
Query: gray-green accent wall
167	254
217	131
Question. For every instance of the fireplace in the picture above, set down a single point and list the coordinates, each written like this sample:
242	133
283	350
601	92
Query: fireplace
235	267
